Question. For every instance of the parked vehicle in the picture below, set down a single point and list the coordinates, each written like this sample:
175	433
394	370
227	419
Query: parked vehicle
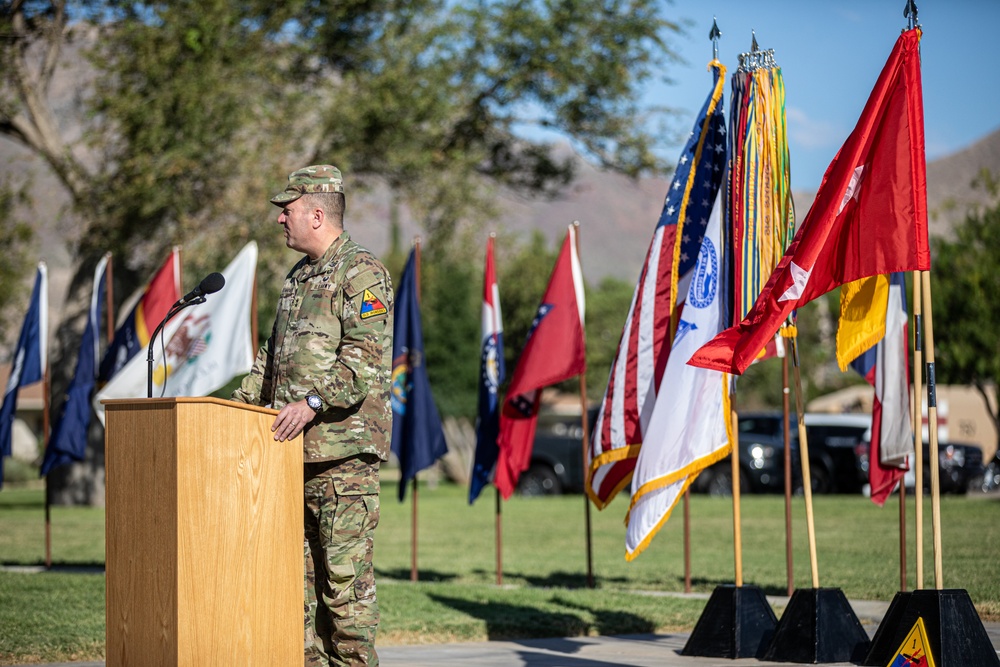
960	467
991	474
833	451
556	458
838	457
762	446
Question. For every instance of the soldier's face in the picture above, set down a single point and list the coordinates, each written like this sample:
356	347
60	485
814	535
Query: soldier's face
294	217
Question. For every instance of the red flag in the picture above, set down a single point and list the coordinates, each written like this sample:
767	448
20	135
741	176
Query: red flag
554	352
869	216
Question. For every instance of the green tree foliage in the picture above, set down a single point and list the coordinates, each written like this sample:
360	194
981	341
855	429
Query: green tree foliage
607	307
201	107
964	285
451	303
428	94
194	137
14	244
451	298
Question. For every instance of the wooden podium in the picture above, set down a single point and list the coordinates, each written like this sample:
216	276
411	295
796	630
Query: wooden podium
204	535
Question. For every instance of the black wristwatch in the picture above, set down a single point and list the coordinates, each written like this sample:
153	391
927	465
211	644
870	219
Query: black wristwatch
314	402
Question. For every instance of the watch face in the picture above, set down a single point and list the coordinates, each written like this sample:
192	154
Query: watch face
314	402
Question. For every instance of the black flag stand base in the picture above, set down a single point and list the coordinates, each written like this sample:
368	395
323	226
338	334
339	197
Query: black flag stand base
736	623
818	625
954	630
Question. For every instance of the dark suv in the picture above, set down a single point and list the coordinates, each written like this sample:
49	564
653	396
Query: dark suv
960	467
556	458
834	441
838	457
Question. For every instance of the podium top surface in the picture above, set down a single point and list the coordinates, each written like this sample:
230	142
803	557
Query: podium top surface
176	400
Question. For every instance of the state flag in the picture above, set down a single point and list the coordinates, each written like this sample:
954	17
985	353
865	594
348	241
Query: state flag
555	350
132	336
417	437
491	376
30	358
68	441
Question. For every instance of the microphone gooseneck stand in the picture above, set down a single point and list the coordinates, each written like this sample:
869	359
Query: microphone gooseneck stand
176	308
211	284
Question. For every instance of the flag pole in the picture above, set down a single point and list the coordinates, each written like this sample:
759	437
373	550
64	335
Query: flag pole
498	514
902	534
787	439
109	292
918	426
46	395
413	509
735	461
178	275
687	540
713	35
804	461
932	424
586	448
499	538
254	326
586	498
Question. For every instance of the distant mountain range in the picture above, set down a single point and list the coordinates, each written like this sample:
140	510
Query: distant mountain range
617	214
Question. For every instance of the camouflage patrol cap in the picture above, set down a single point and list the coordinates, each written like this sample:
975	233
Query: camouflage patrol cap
317	178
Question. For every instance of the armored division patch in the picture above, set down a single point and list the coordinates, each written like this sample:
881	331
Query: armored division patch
371	305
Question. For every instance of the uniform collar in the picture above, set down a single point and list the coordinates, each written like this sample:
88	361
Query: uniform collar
312	268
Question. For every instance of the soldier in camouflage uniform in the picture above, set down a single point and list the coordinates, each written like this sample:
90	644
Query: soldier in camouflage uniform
326	368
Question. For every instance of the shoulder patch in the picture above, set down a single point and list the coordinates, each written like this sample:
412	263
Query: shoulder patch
371	305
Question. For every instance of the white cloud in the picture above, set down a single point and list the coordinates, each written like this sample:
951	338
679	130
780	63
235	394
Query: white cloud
810	133
848	15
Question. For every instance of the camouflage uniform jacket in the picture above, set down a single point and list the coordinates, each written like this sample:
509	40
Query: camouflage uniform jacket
332	337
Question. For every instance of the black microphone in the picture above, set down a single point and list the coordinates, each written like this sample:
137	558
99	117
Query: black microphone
212	283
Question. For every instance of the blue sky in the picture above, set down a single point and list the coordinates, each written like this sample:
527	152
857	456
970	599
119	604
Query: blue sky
831	53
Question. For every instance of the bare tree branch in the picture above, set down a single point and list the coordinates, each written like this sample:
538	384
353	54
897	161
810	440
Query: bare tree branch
35	126
55	36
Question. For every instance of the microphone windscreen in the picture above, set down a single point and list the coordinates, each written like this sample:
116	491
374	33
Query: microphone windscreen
212	283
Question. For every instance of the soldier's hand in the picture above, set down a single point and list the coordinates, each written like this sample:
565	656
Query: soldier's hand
292	420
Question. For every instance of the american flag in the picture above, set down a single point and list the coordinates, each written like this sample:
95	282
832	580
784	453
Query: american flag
663	283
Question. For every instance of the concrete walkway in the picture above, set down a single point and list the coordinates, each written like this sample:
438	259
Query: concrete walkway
647	650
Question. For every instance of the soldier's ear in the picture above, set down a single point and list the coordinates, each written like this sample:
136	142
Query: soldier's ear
318	217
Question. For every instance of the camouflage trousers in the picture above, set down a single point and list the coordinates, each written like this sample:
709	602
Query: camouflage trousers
341	513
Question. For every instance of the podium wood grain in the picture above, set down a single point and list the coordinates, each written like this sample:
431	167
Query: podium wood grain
204	535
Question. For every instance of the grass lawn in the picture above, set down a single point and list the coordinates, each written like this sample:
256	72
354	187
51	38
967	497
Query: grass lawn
59	615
